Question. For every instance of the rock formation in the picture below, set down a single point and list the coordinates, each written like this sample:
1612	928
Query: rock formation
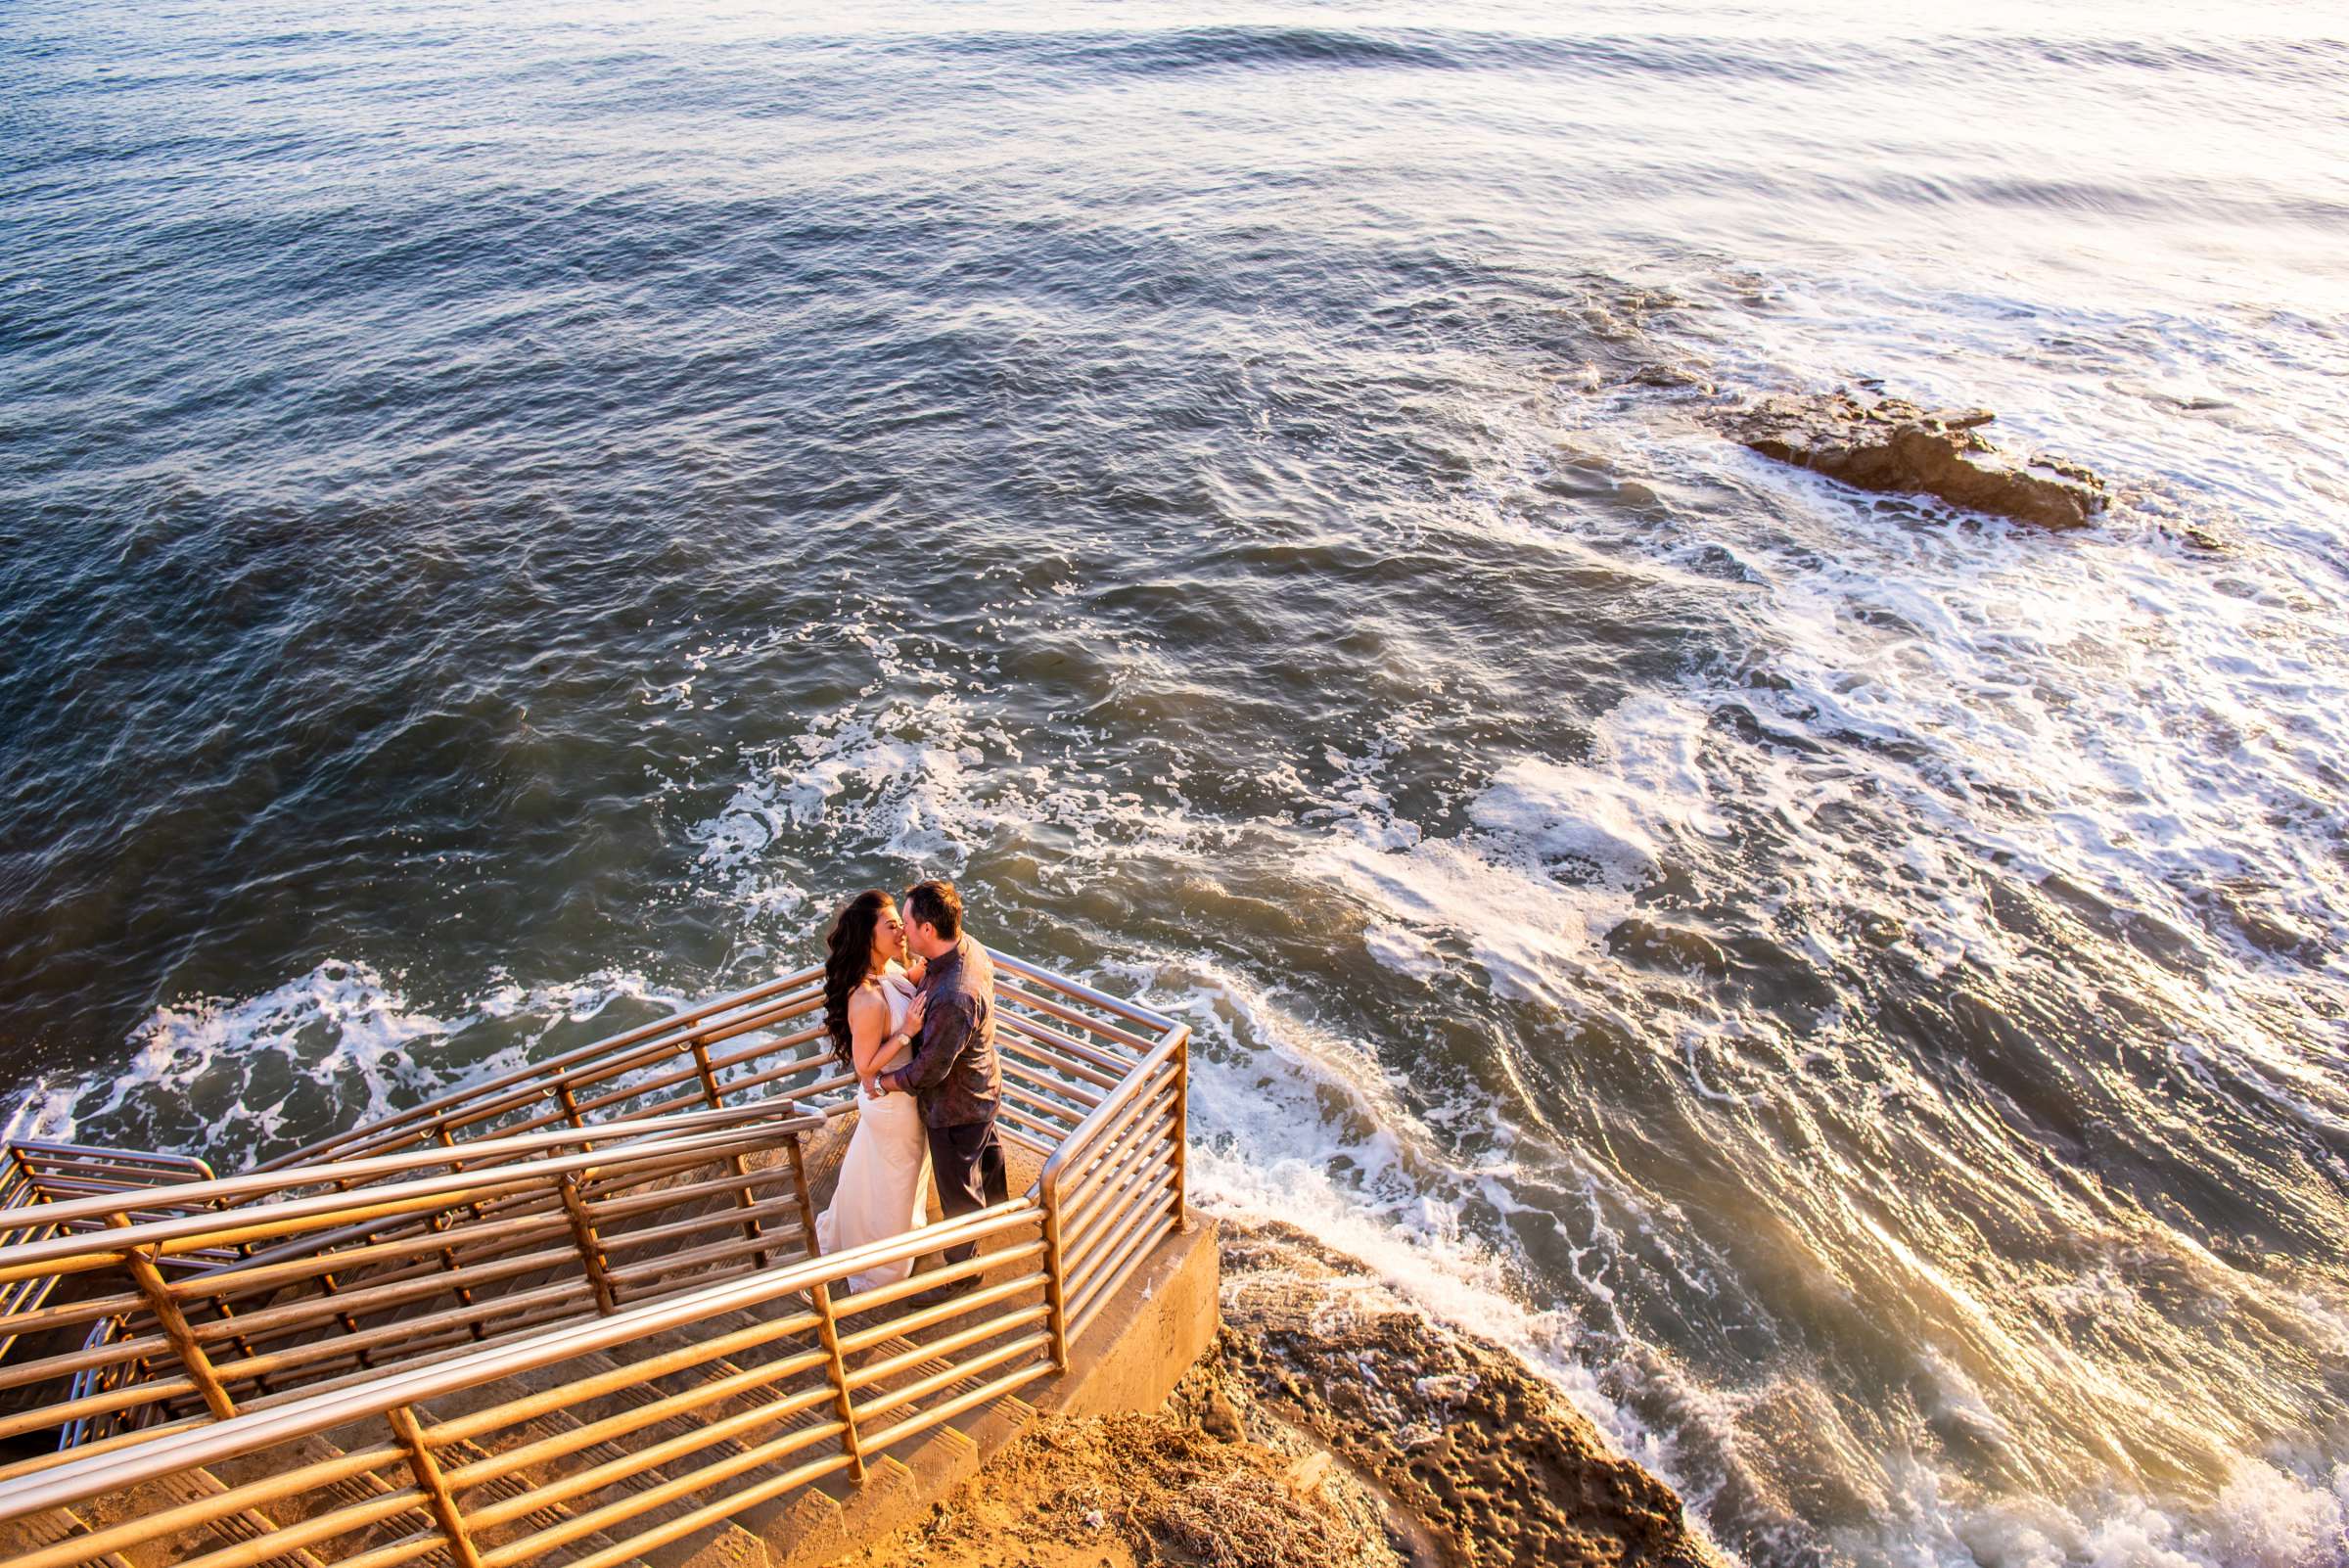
1333	1425
1893	444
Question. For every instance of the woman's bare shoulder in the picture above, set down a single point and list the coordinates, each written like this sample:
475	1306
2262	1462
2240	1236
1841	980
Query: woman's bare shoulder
866	996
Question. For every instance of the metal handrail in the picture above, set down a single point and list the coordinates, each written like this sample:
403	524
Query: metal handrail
541	1071
204	1446
1095	1082
24	1258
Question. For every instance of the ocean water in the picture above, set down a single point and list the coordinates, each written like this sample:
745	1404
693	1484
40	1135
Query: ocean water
509	514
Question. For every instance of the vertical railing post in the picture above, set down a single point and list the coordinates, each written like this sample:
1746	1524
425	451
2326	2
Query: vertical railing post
152	1285
744	1196
1183	1128
1056	1286
448	1141
583	1236
438	1224
799	1187
827	1329
26	1173
220	1306
435	1486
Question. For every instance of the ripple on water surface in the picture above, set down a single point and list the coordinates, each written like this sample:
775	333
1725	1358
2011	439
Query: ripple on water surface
508	517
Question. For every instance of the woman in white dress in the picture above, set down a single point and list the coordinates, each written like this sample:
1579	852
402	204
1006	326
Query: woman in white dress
872	1012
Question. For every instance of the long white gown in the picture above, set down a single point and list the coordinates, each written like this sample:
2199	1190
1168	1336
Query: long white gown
884	1176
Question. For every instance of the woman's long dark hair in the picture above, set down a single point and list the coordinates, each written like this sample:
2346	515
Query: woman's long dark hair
848	961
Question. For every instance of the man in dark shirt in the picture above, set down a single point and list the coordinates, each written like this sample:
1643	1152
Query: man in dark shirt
953	1072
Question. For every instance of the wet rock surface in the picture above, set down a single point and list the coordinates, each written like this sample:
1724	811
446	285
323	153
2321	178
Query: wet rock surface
1896	446
1332	1425
1483	1458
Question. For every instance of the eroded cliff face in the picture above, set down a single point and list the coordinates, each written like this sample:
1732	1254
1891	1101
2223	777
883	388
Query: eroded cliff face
1332	1426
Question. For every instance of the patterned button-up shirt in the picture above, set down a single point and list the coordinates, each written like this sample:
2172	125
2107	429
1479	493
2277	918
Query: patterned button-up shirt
954	1072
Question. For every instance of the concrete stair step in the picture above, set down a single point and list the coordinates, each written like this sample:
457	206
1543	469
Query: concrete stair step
18	1537
172	1491
707	1547
305	1507
510	1489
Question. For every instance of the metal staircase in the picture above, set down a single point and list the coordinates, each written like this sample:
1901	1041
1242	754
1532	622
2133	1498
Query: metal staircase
570	1313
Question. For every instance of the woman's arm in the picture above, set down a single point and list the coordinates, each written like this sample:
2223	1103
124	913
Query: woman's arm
870	1044
868	1032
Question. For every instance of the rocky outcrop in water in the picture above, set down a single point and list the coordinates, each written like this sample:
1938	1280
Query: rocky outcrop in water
1483	1460
1893	444
1332	1425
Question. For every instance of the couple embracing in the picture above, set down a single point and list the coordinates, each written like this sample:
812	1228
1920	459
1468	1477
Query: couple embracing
909	1002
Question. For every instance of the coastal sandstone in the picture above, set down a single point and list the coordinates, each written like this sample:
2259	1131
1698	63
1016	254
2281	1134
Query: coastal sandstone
1333	1425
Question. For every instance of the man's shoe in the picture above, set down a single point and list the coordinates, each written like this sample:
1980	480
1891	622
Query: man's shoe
939	1295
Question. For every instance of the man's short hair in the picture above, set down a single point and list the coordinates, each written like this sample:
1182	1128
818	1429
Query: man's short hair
936	904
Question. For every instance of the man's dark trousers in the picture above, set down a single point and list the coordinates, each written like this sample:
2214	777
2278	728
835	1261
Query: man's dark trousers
968	1163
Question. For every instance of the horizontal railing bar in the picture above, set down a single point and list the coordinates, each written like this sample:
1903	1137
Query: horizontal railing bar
941	1348
66	1410
732	1219
1140	1045
423	1284
233	1283
1007	1111
428	1110
629	1205
465	1428
48	1146
923	1388
1128	1254
556	1293
1155	1184
1084	993
406	1550
970	1399
914	1284
39	1319
782	1070
44	1168
639	1416
671	1263
404	1386
710	1513
782	1042
1135	1125
133	1531
1111	1066
669	1491
1034	1068
634	1462
66	1363
287	1539
703	1125
915	1321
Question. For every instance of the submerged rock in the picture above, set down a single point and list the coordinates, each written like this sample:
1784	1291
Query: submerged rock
1893	444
